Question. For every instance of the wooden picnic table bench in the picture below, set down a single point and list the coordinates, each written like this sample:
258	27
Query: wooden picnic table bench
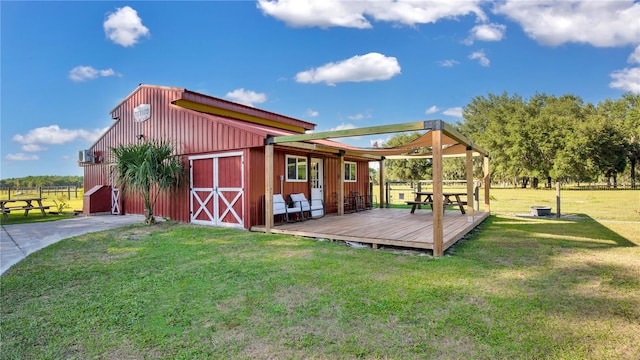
29	205
447	201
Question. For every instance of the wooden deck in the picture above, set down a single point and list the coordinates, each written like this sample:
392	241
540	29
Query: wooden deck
397	227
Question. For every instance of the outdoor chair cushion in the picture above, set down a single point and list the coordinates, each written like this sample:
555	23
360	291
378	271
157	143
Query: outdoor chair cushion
281	207
306	205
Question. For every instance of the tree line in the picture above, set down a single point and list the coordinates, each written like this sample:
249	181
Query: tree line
40	181
545	138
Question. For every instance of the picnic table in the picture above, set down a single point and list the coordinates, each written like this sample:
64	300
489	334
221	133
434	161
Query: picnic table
450	198
30	204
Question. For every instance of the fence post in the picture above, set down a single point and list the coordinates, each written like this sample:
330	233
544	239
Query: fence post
558	199
9	192
40	192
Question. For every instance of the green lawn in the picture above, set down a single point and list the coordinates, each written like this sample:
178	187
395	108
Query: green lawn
517	288
17	217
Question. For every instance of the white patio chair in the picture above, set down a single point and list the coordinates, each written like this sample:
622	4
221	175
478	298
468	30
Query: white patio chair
280	207
310	206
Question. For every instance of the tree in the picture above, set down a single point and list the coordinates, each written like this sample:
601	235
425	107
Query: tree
498	124
558	137
625	113
406	169
373	176
147	168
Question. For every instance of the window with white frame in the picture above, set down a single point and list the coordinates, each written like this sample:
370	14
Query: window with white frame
350	171
296	168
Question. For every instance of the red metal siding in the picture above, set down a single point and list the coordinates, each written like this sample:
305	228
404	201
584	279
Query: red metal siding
196	133
97	200
230	176
254	186
331	176
202	177
190	131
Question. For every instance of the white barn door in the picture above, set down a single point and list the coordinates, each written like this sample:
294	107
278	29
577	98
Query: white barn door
317	185
115	192
217	189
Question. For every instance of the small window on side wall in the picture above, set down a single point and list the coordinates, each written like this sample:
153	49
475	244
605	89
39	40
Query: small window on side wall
350	171
296	168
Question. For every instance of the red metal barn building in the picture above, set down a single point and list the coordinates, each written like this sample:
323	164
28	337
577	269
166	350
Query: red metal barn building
222	144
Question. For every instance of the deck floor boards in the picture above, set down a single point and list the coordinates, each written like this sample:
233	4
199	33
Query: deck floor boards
396	227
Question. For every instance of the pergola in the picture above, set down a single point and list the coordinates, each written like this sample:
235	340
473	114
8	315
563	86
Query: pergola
440	138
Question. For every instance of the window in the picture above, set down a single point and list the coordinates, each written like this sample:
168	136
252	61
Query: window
296	168
350	171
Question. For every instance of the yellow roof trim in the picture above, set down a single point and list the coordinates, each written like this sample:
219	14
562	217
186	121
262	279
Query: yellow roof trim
236	115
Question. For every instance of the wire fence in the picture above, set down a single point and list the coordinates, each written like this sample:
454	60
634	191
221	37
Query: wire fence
71	192
398	192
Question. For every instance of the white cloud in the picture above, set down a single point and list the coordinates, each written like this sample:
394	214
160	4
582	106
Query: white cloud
627	79
33	148
54	135
369	67
359	116
481	57
598	23
432	110
124	27
83	73
246	97
486	32
344	127
448	63
21	157
311	113
454	111
356	14
634	58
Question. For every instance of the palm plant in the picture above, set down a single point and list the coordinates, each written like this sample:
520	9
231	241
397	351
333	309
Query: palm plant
147	168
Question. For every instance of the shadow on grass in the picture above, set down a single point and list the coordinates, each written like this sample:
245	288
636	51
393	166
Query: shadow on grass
33	217
581	232
561	275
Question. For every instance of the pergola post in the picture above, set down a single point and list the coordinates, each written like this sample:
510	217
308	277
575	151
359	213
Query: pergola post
469	169
268	187
438	209
487	184
381	202
340	192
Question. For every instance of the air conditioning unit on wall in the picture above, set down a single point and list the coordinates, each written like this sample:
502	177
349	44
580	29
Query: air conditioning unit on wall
85	156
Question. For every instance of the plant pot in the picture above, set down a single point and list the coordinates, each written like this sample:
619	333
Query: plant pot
540	210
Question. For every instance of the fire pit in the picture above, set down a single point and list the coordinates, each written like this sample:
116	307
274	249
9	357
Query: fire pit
540	210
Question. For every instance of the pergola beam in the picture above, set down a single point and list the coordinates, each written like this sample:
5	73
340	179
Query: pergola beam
470	188
427	125
372	130
438	201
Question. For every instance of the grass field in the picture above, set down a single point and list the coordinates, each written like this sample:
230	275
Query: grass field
17	217
597	204
518	288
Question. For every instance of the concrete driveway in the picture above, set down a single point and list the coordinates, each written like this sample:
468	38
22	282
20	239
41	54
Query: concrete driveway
18	241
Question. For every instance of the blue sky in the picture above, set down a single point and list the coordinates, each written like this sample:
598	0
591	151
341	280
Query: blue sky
65	65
